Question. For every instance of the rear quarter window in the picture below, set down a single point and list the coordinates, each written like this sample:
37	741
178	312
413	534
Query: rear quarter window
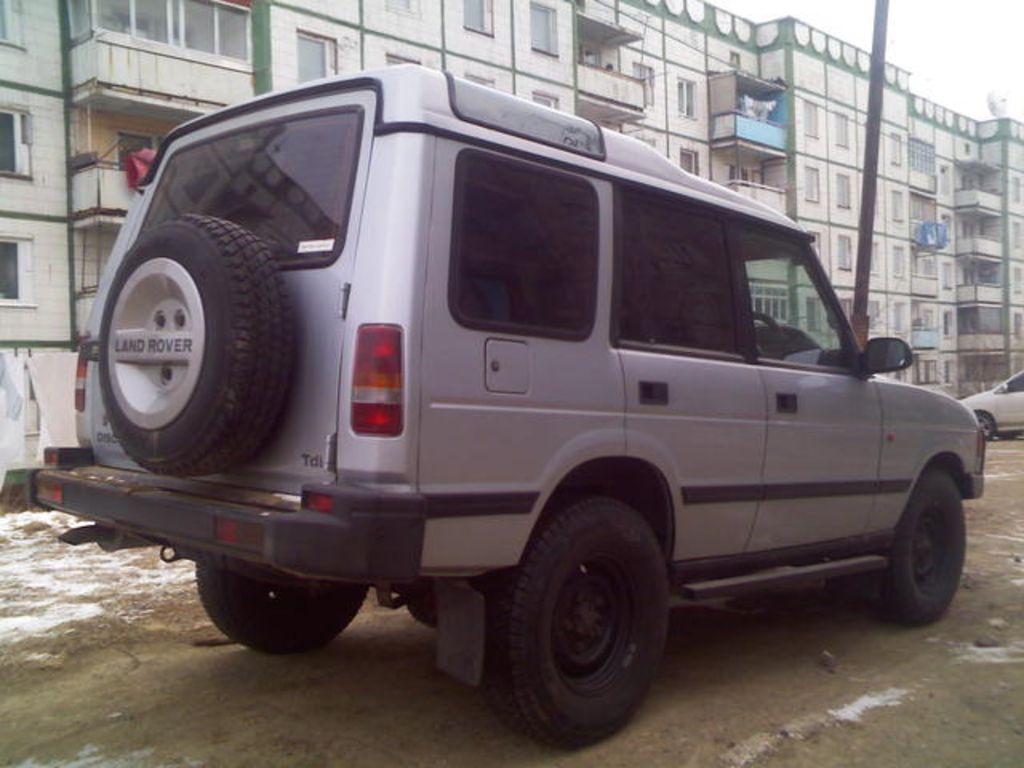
524	248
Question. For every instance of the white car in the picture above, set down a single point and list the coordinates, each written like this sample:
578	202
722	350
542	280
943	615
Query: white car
514	371
1000	411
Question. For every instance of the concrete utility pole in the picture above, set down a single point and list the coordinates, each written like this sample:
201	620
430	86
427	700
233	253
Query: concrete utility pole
866	230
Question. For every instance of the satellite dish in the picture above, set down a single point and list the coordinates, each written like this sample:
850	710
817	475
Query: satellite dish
998	104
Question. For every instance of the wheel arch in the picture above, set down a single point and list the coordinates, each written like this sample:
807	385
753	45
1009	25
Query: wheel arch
635	482
952	465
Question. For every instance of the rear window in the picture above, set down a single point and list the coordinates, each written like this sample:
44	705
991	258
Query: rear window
288	181
524	248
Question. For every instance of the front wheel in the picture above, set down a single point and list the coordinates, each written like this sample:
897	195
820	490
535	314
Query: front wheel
575	633
928	553
276	618
987	423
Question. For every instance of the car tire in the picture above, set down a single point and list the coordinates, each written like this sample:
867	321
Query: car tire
927	556
987	423
275	618
575	632
207	296
422	604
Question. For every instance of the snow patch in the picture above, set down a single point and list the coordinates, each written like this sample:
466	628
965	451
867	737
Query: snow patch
852	712
46	584
1013	653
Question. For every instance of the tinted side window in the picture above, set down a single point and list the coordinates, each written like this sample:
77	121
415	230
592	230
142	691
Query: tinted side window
675	285
793	320
524	248
1016	384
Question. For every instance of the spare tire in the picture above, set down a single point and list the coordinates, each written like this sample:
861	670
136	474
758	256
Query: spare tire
195	347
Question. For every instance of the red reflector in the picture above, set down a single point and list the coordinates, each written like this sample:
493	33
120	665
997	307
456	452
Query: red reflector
238	533
51	457
81	372
377	383
318	502
50	492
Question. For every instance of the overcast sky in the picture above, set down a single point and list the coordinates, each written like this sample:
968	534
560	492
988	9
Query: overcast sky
956	52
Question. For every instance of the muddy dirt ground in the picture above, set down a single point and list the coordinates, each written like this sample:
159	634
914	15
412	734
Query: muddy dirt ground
108	660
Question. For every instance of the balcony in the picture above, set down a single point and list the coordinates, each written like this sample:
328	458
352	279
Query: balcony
753	140
595	33
609	97
990	247
924	285
929	235
773	197
100	195
979	294
923	182
115	72
987	342
924	338
978	202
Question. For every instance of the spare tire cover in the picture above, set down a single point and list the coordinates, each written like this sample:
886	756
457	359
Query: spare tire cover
195	347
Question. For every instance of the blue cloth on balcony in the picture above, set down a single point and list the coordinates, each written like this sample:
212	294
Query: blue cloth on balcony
931	234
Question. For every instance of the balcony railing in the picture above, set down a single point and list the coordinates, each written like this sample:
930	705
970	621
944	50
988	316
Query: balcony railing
980	246
985	294
100	189
924	338
733	125
924	285
622	93
770	196
922	181
980	341
978	198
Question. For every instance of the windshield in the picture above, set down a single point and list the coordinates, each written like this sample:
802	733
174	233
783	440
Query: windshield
288	181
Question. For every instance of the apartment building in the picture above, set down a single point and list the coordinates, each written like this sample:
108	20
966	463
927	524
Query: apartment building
775	111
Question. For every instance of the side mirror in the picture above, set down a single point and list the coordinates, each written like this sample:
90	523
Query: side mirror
885	354
1000	390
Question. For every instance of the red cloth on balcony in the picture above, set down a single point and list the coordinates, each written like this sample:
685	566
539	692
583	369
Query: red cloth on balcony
137	166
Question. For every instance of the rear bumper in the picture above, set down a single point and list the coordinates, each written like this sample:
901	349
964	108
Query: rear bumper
368	536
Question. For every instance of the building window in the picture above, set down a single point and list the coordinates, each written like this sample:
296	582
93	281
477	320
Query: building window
812	190
947	324
478	15
1018	287
897	205
1016	189
895	149
317	57
842	190
202	25
129	143
844	252
402	6
543	29
15	137
978	319
874	314
394	60
1016	234
15	274
689	161
547	99
899	316
899	261
645	73
488	82
947	276
734	60
1018	325
810	119
842	130
79	17
686	94
7	21
922	156
944	179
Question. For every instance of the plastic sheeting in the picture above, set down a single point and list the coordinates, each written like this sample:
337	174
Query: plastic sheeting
12	413
53	379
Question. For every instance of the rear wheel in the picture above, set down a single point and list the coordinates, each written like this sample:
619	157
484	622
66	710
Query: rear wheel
575	633
928	553
988	424
276	618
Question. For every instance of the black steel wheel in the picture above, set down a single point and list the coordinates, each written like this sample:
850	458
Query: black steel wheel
928	553
575	633
987	423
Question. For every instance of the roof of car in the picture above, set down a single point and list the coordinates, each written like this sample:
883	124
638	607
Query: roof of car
414	95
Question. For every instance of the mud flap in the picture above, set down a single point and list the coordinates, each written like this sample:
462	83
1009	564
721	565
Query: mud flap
460	630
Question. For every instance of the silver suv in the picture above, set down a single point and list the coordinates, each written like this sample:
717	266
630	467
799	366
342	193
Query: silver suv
517	373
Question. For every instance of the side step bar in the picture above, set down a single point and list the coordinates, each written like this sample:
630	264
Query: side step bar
785	576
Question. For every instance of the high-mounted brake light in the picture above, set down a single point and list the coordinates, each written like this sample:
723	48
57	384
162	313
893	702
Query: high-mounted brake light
377	381
81	373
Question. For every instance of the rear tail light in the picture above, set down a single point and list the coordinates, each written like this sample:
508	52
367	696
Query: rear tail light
377	381
49	492
81	372
317	502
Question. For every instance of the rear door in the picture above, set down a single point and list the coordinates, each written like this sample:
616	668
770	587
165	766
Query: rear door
295	175
694	406
1008	404
824	423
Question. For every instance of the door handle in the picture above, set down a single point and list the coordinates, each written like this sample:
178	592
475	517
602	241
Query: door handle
785	402
653	393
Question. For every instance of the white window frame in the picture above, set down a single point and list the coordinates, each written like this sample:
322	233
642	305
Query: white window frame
844	252
486	15
842	130
899	261
10	22
844	191
410	7
694	156
549	100
22	138
947	276
487	82
645	73
686	98
896	200
330	52
899	312
812	192
811	120
176	31
551	15
26	295
896	149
